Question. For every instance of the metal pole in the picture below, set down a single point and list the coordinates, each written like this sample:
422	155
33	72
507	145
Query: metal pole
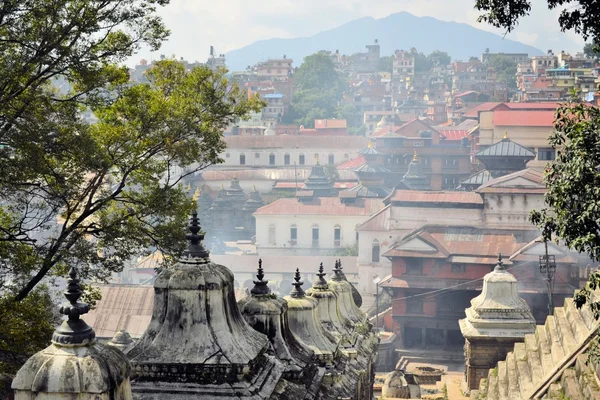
549	281
377	305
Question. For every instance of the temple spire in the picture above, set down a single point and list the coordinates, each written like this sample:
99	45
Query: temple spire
297	290
500	265
195	248
74	330
260	286
321	283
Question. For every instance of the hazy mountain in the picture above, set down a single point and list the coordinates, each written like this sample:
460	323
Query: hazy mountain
397	31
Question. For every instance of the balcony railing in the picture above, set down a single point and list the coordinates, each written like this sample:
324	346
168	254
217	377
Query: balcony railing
315	243
293	242
337	243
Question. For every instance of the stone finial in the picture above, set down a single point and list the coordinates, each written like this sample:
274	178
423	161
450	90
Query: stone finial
297	290
195	248
370	144
260	286
415	156
500	265
321	283
505	135
338	274
74	330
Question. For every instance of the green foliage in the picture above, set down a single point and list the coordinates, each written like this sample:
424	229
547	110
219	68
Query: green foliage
573	206
439	58
506	70
592	50
386	64
25	327
350	113
580	16
357	131
422	62
318	87
331	172
347	251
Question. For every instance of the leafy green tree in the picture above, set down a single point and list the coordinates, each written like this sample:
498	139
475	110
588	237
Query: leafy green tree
347	251
25	327
386	64
318	88
581	16
350	113
592	50
439	58
422	63
573	179
506	70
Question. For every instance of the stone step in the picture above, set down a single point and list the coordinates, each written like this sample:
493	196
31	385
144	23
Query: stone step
513	376
544	348
502	381
588	316
521	358
578	326
587	378
533	358
570	385
568	340
554	341
492	385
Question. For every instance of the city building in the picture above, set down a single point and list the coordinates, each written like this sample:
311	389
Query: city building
288	150
445	164
516	57
311	226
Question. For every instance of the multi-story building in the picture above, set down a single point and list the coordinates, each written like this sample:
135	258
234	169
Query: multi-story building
366	62
275	107
288	150
314	226
444	164
274	69
540	64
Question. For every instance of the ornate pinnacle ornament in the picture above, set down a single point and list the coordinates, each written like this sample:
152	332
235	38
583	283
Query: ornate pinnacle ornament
195	248
321	283
297	285
74	330
338	274
260	286
500	265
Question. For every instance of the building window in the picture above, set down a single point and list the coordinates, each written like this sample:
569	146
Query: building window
227	155
315	236
546	154
417	144
242	159
286	159
337	236
346	154
331	159
293	235
301	159
458	268
271	159
256	155
375	251
414	266
414	305
272	237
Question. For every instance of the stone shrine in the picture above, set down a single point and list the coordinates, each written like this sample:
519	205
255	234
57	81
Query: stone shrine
497	319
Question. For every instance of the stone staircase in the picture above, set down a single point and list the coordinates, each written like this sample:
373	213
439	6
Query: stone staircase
550	364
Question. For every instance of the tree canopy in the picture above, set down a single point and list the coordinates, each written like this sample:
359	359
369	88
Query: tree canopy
438	57
506	70
581	16
592	50
93	195
318	88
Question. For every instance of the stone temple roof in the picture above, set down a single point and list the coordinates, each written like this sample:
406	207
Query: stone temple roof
498	311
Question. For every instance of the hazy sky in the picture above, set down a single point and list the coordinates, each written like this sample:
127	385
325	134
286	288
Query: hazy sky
231	24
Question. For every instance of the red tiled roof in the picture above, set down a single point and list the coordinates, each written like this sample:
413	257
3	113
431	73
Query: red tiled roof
395	129
292	185
454	134
524	118
351	164
322	206
540	84
474	112
533	106
330	123
414	196
377	222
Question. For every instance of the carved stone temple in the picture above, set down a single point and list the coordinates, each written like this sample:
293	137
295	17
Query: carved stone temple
497	319
201	344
